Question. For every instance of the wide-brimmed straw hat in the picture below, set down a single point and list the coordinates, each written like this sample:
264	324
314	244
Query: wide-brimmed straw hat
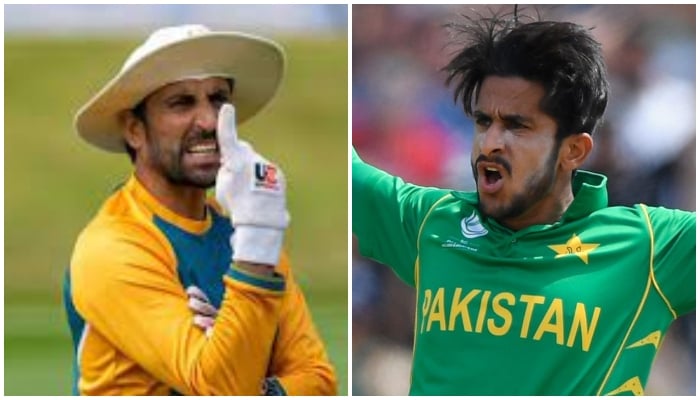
176	53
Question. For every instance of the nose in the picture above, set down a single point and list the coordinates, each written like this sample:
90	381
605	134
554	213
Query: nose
206	117
491	140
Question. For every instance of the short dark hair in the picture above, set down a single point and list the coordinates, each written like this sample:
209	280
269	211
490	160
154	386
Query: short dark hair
563	57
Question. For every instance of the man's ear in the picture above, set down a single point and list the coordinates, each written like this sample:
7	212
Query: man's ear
574	150
134	130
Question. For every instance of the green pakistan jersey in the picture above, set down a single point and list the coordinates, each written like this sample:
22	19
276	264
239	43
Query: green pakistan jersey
578	307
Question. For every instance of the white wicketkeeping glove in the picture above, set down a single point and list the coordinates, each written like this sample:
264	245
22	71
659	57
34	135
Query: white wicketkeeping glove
252	191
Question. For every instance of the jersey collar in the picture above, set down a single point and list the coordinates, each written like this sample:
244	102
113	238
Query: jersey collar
140	192
590	195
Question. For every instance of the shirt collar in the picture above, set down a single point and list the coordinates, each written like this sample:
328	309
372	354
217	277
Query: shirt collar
590	195
140	192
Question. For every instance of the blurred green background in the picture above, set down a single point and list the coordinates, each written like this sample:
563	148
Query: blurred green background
54	183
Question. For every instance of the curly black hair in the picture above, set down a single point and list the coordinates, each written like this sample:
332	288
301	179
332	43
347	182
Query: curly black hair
562	56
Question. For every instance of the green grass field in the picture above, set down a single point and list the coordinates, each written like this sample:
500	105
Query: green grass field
54	183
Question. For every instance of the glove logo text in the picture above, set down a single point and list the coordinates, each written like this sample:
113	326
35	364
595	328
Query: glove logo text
266	177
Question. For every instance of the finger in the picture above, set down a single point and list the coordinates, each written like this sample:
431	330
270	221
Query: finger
223	183
194	291
226	132
203	322
201	308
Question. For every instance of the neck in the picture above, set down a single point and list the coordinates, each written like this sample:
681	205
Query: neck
547	210
187	201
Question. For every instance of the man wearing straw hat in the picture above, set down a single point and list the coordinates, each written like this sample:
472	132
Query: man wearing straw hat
169	292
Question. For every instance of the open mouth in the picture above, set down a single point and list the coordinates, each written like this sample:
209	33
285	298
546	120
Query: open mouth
492	175
205	147
490	178
203	143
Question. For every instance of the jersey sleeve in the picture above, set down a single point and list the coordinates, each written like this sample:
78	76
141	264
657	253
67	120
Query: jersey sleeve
125	286
299	361
386	216
674	256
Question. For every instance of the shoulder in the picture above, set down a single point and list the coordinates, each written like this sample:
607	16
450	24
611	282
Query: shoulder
426	200
668	222
618	215
106	231
644	220
122	219
667	214
117	237
647	214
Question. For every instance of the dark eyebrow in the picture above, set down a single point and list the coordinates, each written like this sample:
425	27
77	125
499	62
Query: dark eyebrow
177	95
480	114
516	118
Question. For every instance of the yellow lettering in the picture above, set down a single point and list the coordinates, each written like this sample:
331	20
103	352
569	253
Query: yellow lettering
531	300
459	308
437	310
482	311
433	311
552	322
502	312
580	322
426	307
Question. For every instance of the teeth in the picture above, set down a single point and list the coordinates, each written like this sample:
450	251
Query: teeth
491	169
203	148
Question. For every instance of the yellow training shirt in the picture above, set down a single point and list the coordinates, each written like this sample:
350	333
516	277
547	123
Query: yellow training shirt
133	331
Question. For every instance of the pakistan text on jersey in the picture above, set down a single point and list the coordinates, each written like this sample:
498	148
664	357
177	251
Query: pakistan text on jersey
437	314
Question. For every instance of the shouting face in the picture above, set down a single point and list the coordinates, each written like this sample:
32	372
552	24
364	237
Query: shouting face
515	151
176	137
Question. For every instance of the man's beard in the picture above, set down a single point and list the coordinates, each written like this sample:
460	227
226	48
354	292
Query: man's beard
169	162
537	187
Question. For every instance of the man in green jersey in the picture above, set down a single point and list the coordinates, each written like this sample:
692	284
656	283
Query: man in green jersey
531	285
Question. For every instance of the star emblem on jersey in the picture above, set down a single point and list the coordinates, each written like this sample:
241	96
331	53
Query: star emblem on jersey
574	246
472	228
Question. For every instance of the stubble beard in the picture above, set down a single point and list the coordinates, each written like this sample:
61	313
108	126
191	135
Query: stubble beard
169	162
536	188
